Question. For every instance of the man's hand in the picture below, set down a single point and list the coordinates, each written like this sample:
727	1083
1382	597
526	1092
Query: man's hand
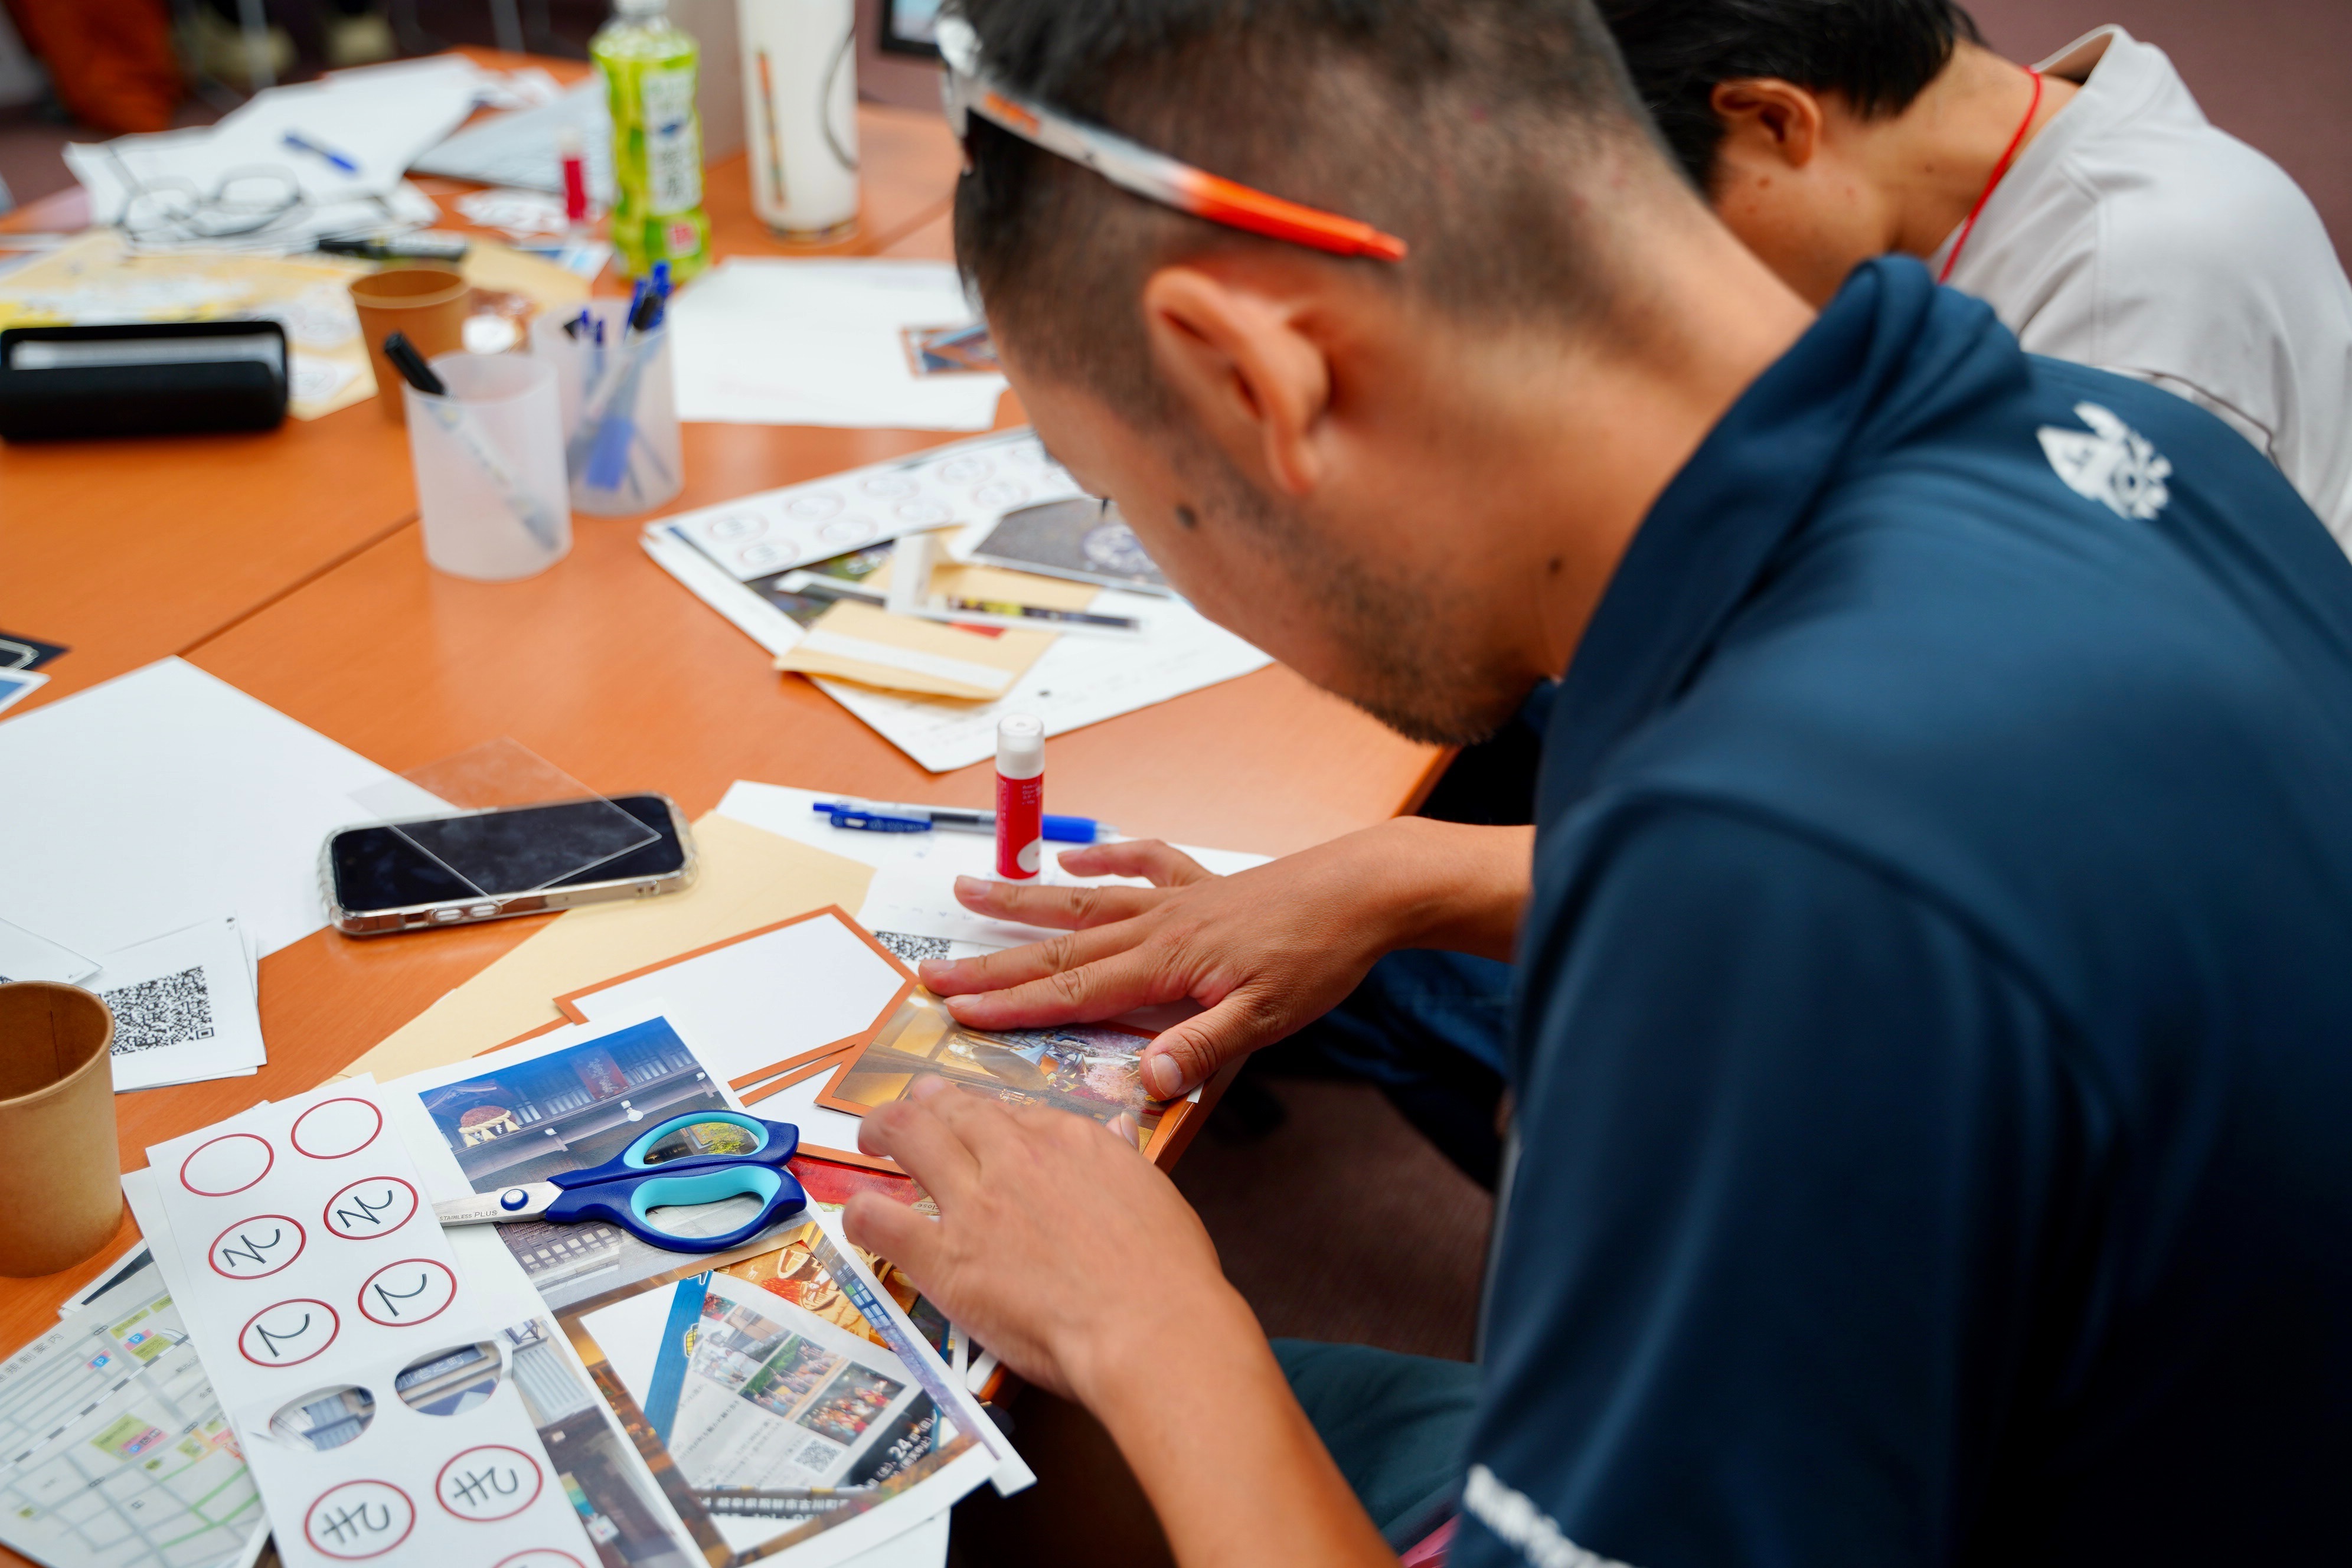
1058	1245
1266	951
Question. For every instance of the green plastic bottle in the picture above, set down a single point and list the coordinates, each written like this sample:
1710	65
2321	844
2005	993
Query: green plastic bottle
650	73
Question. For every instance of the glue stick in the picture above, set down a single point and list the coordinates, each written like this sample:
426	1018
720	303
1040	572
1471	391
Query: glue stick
1020	796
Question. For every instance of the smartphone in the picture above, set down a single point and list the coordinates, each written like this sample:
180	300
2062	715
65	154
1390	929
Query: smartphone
377	881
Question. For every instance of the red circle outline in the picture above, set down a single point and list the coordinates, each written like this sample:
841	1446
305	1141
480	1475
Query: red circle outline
302	1240
363	1480
294	1133
337	1318
534	1551
266	1147
415	1202
412	1322
538	1478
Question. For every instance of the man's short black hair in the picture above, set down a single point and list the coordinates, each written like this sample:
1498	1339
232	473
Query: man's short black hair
1877	54
1459	125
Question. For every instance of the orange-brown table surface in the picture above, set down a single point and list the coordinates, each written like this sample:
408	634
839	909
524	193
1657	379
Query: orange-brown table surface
290	564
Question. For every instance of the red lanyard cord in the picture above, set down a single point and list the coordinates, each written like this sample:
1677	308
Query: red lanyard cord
1999	169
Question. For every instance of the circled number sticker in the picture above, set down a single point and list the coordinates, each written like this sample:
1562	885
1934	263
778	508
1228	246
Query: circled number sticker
257	1247
492	1481
226	1164
359	1520
369	1207
288	1333
400	1295
336	1129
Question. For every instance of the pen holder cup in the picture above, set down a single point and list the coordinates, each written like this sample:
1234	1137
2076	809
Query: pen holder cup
620	410
61	1183
490	468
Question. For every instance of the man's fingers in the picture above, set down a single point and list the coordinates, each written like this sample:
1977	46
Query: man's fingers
1080	995
1068	909
1019	965
883	1225
912	1132
1147	857
1186	1053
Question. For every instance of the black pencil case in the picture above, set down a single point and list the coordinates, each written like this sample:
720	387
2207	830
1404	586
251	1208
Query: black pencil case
141	379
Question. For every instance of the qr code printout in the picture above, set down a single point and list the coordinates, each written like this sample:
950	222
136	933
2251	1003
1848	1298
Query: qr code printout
913	949
168	1010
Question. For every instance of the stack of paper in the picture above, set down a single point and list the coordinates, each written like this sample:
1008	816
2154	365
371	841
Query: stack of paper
767	342
291	165
778	564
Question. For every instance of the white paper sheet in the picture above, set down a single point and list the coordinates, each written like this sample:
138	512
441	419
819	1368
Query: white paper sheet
304	1261
29	955
764	999
165	796
760	341
184	1007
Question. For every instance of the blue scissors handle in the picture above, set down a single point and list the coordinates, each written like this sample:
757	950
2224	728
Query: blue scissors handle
627	1190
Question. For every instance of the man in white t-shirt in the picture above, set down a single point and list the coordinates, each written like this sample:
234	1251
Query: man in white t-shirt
2087	199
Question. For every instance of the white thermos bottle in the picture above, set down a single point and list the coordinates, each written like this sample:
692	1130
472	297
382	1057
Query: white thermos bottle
800	102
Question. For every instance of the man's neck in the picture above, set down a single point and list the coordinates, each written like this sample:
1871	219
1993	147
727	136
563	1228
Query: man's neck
1935	159
1597	442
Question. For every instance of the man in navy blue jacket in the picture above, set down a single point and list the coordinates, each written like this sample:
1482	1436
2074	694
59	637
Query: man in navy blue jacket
1935	946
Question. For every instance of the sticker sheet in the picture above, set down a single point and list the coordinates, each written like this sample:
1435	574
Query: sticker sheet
323	1298
970	482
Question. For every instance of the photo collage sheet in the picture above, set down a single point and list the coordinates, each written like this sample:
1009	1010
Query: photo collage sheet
793	1395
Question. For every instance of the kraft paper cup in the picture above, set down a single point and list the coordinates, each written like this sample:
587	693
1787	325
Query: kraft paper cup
428	304
61	1172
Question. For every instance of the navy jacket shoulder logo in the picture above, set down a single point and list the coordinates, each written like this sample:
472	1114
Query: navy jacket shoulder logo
2110	463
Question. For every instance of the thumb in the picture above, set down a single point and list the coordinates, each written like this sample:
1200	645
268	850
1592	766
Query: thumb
1188	1053
891	1229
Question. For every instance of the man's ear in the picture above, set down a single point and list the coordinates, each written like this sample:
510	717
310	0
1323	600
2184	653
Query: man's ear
1768	120
1244	364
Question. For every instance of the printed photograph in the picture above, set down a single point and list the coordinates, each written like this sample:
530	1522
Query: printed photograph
791	1376
849	1404
1093	1069
574	1109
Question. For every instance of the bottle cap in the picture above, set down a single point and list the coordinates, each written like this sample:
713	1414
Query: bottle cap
638	8
1020	746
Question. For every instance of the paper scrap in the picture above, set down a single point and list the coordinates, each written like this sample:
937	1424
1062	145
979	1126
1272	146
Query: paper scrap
1076	682
902	653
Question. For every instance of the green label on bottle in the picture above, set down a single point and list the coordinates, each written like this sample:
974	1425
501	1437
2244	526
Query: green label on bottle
673	166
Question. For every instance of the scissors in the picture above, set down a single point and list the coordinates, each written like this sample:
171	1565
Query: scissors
697	1158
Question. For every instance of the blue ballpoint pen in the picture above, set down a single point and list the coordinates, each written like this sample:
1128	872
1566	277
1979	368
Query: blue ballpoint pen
301	143
881	817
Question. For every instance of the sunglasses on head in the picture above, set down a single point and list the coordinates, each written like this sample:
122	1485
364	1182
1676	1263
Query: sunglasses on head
1133	167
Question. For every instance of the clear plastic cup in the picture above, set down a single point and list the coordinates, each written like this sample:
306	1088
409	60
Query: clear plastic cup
490	468
620	409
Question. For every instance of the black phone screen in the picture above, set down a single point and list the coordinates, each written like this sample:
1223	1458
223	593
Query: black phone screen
376	869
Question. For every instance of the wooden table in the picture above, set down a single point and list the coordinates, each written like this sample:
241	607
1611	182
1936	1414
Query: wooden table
290	563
